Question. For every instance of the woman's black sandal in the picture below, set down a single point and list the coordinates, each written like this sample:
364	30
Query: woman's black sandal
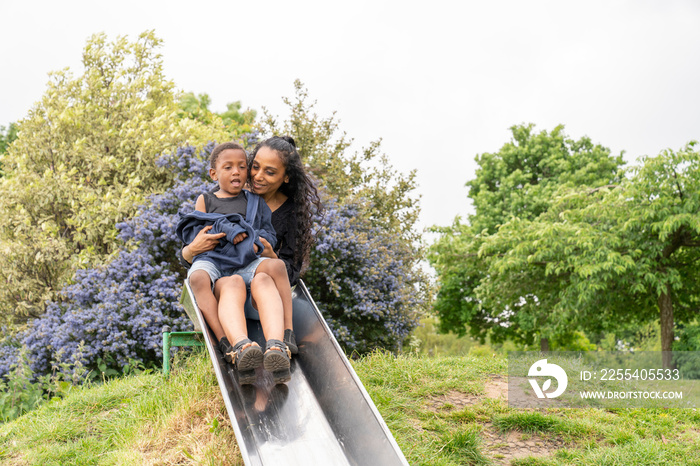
291	341
276	361
246	357
225	348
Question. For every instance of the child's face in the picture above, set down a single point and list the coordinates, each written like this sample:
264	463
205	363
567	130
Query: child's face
267	172
231	171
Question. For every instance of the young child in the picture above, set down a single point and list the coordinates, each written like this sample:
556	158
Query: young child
220	278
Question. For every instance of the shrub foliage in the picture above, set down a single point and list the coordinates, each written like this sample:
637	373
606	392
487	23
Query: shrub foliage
362	278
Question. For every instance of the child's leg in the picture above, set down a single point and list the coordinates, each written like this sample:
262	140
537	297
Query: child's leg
276	269
268	302
231	294
269	305
245	355
201	287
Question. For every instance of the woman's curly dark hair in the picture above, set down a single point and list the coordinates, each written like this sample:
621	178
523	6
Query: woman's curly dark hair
300	188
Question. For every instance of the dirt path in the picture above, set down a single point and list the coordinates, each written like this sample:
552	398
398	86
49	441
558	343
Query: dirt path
502	447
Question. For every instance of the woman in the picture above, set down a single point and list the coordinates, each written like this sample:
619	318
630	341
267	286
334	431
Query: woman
276	174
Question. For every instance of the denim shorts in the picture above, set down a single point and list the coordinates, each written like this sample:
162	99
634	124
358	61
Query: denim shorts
248	272
215	272
209	267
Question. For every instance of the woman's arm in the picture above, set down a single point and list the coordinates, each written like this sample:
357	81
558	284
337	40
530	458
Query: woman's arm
268	251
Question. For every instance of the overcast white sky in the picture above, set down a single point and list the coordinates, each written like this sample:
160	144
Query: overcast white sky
439	82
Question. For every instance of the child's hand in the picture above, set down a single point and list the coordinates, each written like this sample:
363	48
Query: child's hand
239	237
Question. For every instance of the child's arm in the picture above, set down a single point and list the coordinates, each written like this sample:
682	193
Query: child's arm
199	205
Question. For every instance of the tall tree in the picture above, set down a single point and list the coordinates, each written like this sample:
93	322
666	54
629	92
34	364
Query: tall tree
604	257
233	120
517	182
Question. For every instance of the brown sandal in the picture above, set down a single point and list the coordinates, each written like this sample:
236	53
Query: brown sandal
246	356
277	361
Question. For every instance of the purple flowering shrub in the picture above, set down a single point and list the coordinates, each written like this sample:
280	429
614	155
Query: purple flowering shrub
118	310
363	280
10	347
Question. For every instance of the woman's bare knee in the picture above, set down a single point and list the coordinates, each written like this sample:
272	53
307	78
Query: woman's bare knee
275	268
261	279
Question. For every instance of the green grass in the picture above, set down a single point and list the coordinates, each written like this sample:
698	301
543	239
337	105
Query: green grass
143	419
436	407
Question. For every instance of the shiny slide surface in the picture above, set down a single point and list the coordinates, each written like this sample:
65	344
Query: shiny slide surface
322	416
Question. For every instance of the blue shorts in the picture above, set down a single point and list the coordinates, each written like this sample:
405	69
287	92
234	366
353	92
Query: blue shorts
247	273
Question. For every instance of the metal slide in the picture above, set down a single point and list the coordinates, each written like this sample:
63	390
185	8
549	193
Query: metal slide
322	416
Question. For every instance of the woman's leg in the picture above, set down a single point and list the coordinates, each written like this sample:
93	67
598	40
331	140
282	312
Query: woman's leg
276	269
268	302
231	294
206	301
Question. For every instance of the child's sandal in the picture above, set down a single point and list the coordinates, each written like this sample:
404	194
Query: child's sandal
246	356
276	361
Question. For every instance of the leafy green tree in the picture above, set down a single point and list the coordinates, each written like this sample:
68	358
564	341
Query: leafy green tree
520	179
517	183
195	106
233	120
84	159
234	116
7	135
598	258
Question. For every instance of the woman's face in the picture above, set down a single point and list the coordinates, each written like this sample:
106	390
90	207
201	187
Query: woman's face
267	172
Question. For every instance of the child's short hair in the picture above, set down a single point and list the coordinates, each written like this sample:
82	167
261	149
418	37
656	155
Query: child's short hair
213	157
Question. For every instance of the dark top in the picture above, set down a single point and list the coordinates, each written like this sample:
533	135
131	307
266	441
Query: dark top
285	224
225	205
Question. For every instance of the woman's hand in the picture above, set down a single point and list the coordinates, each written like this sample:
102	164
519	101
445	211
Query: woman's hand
267	252
203	242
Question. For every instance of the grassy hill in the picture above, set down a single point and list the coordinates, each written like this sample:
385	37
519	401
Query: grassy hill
442	411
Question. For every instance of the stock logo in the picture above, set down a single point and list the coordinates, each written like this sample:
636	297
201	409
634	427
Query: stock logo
542	369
